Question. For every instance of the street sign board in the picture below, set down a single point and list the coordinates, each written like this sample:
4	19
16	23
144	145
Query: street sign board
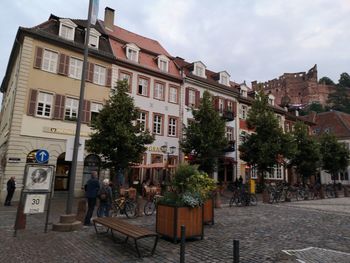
35	203
38	178
42	156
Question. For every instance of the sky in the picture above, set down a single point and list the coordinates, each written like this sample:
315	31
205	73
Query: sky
250	39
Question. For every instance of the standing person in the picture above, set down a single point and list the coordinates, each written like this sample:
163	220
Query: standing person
105	196
11	186
91	190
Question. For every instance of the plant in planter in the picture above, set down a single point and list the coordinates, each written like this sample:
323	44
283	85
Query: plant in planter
184	205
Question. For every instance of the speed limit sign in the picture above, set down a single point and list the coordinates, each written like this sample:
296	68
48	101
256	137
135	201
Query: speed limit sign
35	203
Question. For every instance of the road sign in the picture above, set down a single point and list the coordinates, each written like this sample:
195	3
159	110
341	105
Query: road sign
35	203
42	156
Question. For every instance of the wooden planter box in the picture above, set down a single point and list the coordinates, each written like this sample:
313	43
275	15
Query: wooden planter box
208	211
169	220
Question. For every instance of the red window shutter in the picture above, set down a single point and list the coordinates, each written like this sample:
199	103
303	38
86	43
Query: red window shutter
32	102
226	105
90	72
59	107
61	64
187	96
216	103
38	57
86	112
109	77
66	65
197	98
234	108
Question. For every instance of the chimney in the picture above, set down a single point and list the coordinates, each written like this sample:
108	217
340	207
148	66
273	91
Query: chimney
109	18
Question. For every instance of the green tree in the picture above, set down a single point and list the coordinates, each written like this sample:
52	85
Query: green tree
115	135
265	147
326	80
344	80
316	107
339	99
335	155
307	156
205	136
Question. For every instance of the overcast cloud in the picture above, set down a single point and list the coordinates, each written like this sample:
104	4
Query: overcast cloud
251	39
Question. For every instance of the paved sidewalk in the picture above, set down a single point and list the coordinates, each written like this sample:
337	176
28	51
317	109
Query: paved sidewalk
264	231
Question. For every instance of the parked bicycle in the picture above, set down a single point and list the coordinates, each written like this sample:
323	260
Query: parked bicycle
330	190
241	197
124	205
150	205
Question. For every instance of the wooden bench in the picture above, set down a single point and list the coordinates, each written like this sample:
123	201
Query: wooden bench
129	230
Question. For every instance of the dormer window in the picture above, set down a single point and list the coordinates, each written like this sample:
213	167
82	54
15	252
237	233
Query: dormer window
163	63
94	38
199	69
224	78
132	52
243	90
67	29
271	99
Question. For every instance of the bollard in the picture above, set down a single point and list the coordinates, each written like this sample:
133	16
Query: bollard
140	203
182	244
217	200
235	251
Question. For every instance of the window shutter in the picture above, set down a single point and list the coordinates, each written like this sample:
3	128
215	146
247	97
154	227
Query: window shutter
86	112
66	65
32	102
90	72
187	96
234	108
38	57
63	66
109	77
216	103
59	107
226	105
197	98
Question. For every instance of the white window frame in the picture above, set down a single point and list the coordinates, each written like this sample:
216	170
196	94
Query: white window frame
172	127
45	101
229	133
71	105
199	69
224	78
145	86
130	50
50	61
68	24
94	38
157	124
191	97
173	94
163	63
75	68
100	75
142	120
229	106
95	108
221	105
243	112
159	90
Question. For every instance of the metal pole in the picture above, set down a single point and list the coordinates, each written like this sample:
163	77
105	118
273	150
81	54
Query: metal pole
182	244
235	251
80	111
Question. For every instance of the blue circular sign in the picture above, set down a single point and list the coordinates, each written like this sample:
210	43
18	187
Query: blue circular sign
42	156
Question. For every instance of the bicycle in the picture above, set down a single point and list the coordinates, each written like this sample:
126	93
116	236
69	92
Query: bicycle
330	190
241	198
124	205
150	205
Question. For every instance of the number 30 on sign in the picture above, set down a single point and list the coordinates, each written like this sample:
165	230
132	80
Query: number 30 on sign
35	203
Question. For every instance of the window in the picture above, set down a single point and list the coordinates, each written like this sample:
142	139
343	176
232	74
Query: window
157	124
50	61
93	41
229	134
163	65
173	94
143	87
243	112
99	75
132	55
67	32
123	75
254	173
172	126
278	171
142	121
199	71
71	110
95	110
221	105
192	98
229	106
44	105
132	52
75	68
159	90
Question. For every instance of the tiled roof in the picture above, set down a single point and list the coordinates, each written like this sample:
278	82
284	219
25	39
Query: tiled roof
334	122
150	49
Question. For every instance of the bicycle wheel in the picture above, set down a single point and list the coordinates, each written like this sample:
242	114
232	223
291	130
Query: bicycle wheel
232	201
130	209
238	201
271	197
149	208
300	195
253	199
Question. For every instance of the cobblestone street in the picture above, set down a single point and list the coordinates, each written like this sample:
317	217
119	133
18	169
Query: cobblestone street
263	231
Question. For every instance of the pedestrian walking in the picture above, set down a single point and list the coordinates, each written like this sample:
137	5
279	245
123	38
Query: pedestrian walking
105	196
91	190
11	187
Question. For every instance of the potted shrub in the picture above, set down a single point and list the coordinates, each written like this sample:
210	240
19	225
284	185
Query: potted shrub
184	204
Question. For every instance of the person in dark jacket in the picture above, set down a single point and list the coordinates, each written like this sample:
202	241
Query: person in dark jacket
91	190
11	186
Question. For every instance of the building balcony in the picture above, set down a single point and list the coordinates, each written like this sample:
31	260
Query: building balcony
228	115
